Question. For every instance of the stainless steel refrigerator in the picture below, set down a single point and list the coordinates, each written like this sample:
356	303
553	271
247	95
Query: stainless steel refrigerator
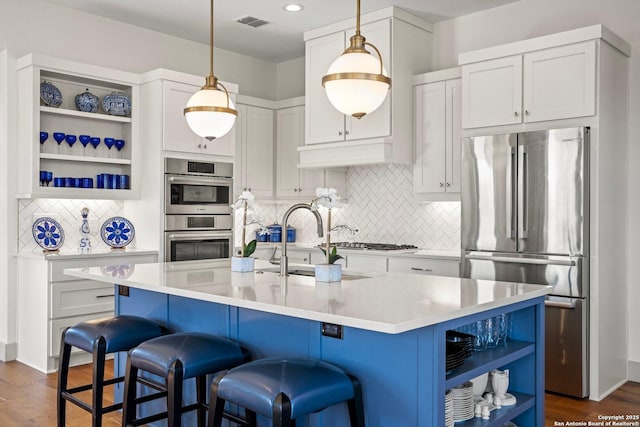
525	218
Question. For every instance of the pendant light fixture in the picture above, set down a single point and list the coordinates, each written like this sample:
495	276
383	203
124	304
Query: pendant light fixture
210	113
357	82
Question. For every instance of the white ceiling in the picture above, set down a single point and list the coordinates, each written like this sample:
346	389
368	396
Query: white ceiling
277	41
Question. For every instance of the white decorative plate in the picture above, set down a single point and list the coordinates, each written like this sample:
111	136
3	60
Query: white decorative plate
48	233
117	232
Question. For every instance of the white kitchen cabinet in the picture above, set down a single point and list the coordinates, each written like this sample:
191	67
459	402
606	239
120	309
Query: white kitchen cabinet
291	181
418	265
177	135
254	151
49	301
326	124
436	171
548	84
383	136
76	161
366	263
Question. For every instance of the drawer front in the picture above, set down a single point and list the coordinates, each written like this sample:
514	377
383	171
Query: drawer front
438	267
298	257
57	326
367	263
81	297
58	266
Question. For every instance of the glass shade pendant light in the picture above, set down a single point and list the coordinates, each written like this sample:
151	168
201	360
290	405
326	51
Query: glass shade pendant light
210	113
357	82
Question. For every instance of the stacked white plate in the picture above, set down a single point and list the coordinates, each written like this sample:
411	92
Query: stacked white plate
448	409
463	402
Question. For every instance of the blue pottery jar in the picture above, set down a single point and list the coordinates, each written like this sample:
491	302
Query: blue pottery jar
87	102
291	234
275	233
262	237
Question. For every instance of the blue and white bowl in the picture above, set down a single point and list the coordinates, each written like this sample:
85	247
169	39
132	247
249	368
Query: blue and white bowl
116	104
117	232
48	233
87	102
50	94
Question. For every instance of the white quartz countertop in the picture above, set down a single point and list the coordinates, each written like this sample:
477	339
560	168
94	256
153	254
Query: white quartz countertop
74	254
421	253
390	303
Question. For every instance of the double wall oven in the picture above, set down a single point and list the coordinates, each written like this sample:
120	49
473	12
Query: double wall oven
198	220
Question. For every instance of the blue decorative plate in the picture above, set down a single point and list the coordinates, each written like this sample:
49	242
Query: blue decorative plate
48	233
87	102
117	232
50	94
116	104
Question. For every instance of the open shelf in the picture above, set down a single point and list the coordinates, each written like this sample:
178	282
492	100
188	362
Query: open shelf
67	157
485	361
500	416
84	115
77	193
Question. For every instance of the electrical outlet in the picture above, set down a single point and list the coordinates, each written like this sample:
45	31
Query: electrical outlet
332	330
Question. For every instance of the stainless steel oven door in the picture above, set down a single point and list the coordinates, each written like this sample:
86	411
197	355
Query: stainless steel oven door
198	222
197	195
197	245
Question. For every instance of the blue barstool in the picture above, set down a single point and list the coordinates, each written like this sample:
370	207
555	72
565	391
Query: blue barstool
175	358
285	390
99	337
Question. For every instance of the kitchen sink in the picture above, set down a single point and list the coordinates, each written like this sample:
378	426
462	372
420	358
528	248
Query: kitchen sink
308	273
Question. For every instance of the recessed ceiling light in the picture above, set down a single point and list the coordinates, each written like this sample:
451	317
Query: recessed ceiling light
293	7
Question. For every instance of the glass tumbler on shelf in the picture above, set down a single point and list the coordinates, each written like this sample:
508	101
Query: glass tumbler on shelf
491	332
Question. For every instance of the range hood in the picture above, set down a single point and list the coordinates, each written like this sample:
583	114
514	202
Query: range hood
354	153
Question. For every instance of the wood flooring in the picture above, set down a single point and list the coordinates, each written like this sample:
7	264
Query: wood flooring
28	399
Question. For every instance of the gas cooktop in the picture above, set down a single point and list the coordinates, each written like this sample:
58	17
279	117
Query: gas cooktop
372	246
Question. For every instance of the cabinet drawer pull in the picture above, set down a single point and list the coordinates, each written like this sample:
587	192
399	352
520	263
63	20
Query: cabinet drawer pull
105	296
428	270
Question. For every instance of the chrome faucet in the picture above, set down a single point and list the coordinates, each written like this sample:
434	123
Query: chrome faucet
284	262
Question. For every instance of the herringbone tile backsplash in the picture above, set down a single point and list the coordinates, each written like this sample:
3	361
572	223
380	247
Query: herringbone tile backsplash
67	213
382	208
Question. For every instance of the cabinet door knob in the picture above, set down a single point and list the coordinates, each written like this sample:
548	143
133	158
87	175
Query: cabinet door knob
199	145
299	189
448	184
249	188
295	189
340	133
515	113
526	112
204	146
346	132
441	184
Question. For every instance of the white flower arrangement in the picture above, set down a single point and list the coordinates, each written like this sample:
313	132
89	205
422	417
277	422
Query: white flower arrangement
328	198
245	204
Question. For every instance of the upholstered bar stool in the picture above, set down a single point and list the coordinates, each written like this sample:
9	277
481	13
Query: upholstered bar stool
99	337
175	358
285	390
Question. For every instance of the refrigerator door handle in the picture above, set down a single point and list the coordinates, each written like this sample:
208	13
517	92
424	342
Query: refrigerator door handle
511	196
570	305
516	260
523	196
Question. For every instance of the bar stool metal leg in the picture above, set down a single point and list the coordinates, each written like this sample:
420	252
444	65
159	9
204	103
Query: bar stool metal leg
63	378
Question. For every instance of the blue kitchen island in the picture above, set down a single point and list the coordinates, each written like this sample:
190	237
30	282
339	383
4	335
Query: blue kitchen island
388	330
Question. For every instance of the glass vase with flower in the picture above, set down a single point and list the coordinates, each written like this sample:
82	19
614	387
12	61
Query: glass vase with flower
329	272
244	205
